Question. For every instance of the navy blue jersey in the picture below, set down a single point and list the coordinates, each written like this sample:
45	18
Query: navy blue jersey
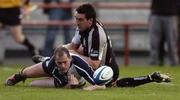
79	68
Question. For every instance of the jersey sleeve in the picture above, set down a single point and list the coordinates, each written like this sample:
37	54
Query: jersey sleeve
83	69
47	66
76	38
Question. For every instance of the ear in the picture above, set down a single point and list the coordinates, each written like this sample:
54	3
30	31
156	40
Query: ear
90	20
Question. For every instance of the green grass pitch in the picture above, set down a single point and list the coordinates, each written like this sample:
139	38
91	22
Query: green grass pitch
151	91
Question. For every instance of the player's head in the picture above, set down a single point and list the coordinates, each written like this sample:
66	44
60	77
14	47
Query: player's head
85	16
62	58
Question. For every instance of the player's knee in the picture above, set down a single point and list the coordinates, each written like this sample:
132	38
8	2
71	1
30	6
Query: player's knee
19	40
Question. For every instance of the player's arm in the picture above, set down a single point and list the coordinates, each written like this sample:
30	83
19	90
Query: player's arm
72	82
75	43
74	48
27	8
93	63
77	49
71	46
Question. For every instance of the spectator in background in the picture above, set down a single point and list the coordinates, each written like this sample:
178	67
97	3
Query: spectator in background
163	23
178	42
56	14
10	12
161	51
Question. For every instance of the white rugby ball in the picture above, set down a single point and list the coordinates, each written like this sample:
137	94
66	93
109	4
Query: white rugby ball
103	75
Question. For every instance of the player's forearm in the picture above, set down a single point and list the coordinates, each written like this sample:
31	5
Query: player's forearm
71	46
68	46
72	82
93	63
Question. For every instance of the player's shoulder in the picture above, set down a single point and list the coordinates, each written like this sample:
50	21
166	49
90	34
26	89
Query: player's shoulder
49	62
75	56
77	59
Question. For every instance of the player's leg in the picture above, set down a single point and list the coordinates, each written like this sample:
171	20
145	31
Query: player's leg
19	37
2	49
51	82
170	24
52	31
46	82
33	71
132	82
155	34
161	51
16	28
178	41
67	15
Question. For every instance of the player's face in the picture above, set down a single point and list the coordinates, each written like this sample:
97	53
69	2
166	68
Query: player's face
82	22
63	62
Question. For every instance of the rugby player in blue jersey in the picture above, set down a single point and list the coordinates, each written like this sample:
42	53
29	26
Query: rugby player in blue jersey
61	70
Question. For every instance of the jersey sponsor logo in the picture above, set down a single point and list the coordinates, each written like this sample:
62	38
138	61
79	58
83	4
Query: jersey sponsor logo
94	53
47	63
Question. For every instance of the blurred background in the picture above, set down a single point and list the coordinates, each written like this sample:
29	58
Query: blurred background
126	21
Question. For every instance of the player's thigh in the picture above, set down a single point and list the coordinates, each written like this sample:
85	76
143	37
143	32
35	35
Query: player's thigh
34	71
46	82
12	19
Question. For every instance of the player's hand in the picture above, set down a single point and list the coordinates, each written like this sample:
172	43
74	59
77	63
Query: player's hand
72	81
27	10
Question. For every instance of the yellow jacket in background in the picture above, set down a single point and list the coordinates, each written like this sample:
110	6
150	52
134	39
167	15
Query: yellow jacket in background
10	3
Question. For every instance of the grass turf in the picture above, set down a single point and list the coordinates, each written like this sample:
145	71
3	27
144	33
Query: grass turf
156	91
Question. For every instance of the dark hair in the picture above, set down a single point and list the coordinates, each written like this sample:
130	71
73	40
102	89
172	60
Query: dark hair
88	10
60	51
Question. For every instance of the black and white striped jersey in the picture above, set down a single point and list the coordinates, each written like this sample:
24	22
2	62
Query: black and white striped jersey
96	43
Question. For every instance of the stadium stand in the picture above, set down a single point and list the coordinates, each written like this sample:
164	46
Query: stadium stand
123	29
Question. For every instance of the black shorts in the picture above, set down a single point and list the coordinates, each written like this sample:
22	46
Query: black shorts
10	16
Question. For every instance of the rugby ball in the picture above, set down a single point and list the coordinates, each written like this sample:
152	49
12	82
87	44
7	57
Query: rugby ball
103	75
